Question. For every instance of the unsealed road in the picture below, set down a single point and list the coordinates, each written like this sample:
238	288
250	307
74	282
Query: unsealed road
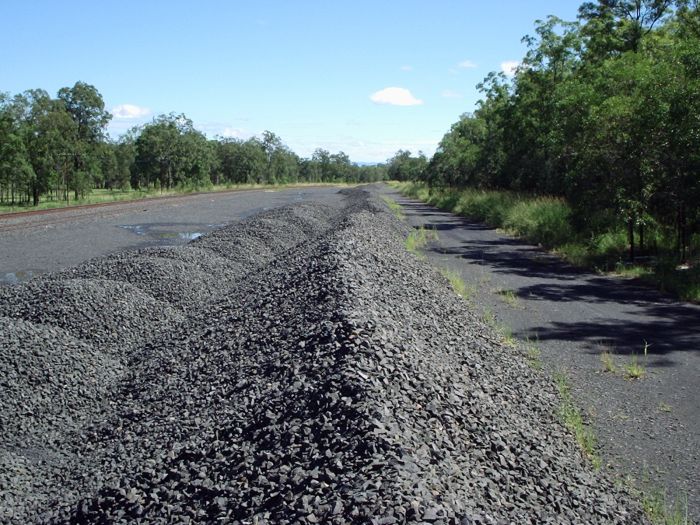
647	428
55	239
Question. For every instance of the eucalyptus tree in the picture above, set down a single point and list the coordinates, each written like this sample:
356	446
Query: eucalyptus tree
85	105
170	151
16	172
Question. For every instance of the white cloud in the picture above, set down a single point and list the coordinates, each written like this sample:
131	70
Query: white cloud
130	111
232	133
466	64
448	93
395	96
406	68
509	67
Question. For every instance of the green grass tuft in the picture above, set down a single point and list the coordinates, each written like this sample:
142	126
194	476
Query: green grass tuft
509	297
419	239
457	283
663	512
608	363
573	420
394	207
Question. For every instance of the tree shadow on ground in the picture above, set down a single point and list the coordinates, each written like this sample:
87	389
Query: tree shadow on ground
631	314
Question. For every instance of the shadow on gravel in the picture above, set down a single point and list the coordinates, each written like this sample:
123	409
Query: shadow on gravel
513	257
635	313
663	335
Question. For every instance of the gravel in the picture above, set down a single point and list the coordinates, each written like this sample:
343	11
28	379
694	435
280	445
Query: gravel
303	369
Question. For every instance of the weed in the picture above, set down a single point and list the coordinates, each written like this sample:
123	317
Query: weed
458	284
665	407
573	420
662	512
394	207
634	369
489	317
534	355
419	238
507	337
608	363
509	297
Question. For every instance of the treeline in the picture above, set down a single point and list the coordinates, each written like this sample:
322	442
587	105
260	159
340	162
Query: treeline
603	111
58	148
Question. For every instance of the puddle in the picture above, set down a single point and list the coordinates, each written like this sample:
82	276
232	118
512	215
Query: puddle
18	277
138	229
169	232
186	236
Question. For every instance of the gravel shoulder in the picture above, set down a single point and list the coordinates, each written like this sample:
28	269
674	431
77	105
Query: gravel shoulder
648	429
305	369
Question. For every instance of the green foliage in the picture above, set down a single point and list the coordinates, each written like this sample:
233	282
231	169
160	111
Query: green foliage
664	511
395	207
603	112
457	283
545	220
550	222
419	238
57	149
573	420
404	167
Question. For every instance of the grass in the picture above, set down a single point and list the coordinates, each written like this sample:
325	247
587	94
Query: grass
100	196
573	420
662	512
489	317
458	284
665	407
634	369
533	355
608	363
419	239
394	207
507	337
509	297
547	221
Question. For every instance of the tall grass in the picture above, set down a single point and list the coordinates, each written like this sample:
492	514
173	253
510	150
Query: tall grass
542	220
547	221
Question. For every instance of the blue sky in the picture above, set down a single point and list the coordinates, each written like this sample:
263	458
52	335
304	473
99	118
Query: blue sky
314	72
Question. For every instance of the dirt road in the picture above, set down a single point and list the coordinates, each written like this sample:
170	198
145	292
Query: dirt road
36	243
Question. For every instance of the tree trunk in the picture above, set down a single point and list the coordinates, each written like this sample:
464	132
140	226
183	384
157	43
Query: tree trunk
630	234
641	238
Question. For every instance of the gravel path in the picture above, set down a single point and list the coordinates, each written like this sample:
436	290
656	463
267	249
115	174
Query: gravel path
328	377
649	428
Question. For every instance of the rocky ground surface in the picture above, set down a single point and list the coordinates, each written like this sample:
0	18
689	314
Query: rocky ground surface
298	367
591	328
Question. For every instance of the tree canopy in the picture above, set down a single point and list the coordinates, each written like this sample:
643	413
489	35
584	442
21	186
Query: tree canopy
57	147
603	111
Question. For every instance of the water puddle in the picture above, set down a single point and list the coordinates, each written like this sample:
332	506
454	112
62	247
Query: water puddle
186	236
138	229
18	277
170	233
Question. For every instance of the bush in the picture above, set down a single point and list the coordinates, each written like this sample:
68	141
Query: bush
543	220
